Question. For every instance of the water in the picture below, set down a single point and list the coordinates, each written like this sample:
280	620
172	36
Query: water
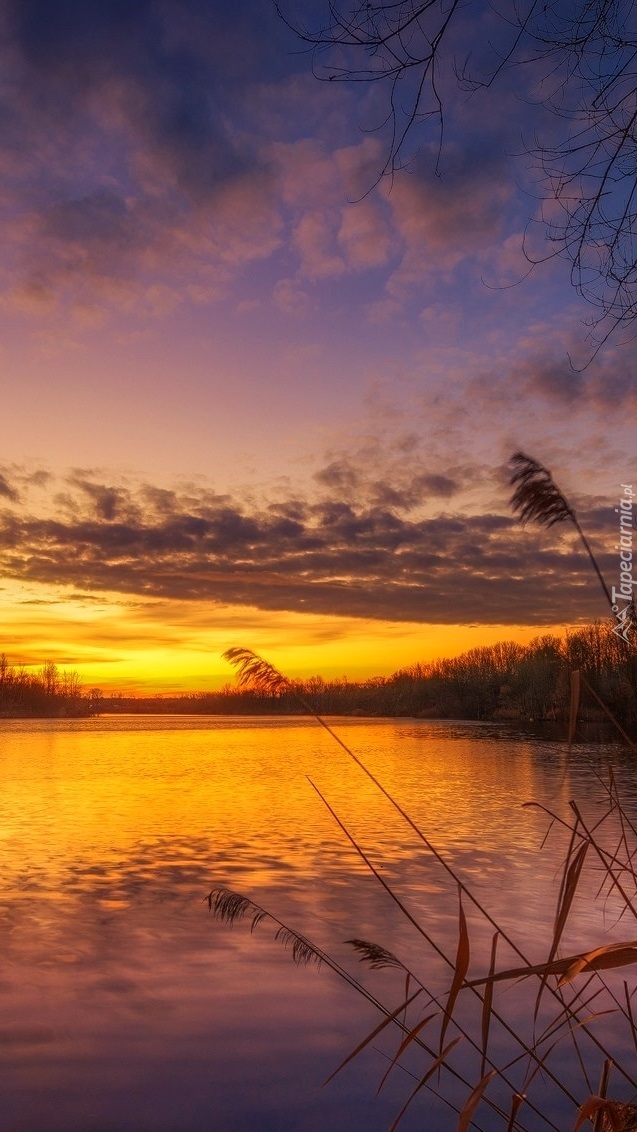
125	1007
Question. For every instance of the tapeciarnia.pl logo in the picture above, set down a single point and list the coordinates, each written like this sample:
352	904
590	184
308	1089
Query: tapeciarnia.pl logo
624	594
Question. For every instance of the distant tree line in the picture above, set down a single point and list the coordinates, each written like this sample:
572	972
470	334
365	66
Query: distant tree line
505	681
48	692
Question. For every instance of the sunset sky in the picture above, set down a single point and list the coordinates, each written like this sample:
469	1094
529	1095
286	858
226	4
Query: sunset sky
252	395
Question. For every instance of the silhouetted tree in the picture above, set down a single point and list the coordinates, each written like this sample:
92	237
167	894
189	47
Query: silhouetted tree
48	692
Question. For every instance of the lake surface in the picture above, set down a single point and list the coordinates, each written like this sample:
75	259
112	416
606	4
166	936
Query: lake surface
125	1007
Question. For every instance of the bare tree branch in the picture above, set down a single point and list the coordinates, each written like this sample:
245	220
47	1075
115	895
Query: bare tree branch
584	59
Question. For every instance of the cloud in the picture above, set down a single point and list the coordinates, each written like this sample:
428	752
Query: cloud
151	152
404	493
438	485
364	237
337	225
110	503
149	251
288	296
16	481
7	491
340	475
327	556
444	220
554	379
118	154
152	71
142	149
603	384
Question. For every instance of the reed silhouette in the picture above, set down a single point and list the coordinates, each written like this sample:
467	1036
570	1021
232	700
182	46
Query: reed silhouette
537	498
493	1057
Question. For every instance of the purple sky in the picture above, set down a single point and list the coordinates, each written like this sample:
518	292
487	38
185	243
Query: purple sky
248	387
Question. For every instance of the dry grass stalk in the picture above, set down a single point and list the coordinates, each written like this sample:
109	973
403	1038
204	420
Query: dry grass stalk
573	1017
537	498
602	1092
378	1030
619	1117
609	1116
473	1101
436	1065
605	958
461	966
487	1007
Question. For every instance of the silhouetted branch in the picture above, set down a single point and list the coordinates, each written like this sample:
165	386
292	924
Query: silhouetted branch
583	62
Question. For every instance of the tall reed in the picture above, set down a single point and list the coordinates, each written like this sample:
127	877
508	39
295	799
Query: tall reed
462	1034
497	1059
537	498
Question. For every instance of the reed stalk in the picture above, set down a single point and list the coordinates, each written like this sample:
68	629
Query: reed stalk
531	1062
488	1090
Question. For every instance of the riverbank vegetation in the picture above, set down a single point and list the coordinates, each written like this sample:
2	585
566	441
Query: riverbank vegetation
502	682
503	1041
505	681
47	693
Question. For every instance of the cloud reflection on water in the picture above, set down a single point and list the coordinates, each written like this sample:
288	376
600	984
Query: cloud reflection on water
126	1007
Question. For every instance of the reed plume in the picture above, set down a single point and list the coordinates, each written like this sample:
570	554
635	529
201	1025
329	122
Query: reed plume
538	499
556	975
255	672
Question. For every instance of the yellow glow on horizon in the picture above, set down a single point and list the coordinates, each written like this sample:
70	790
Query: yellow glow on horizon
147	646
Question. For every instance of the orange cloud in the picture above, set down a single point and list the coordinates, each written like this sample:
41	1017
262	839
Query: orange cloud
389	553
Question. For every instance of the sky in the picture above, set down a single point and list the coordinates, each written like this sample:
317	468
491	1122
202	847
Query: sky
253	392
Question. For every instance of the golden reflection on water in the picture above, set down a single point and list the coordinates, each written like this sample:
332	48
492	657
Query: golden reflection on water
96	787
113	830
